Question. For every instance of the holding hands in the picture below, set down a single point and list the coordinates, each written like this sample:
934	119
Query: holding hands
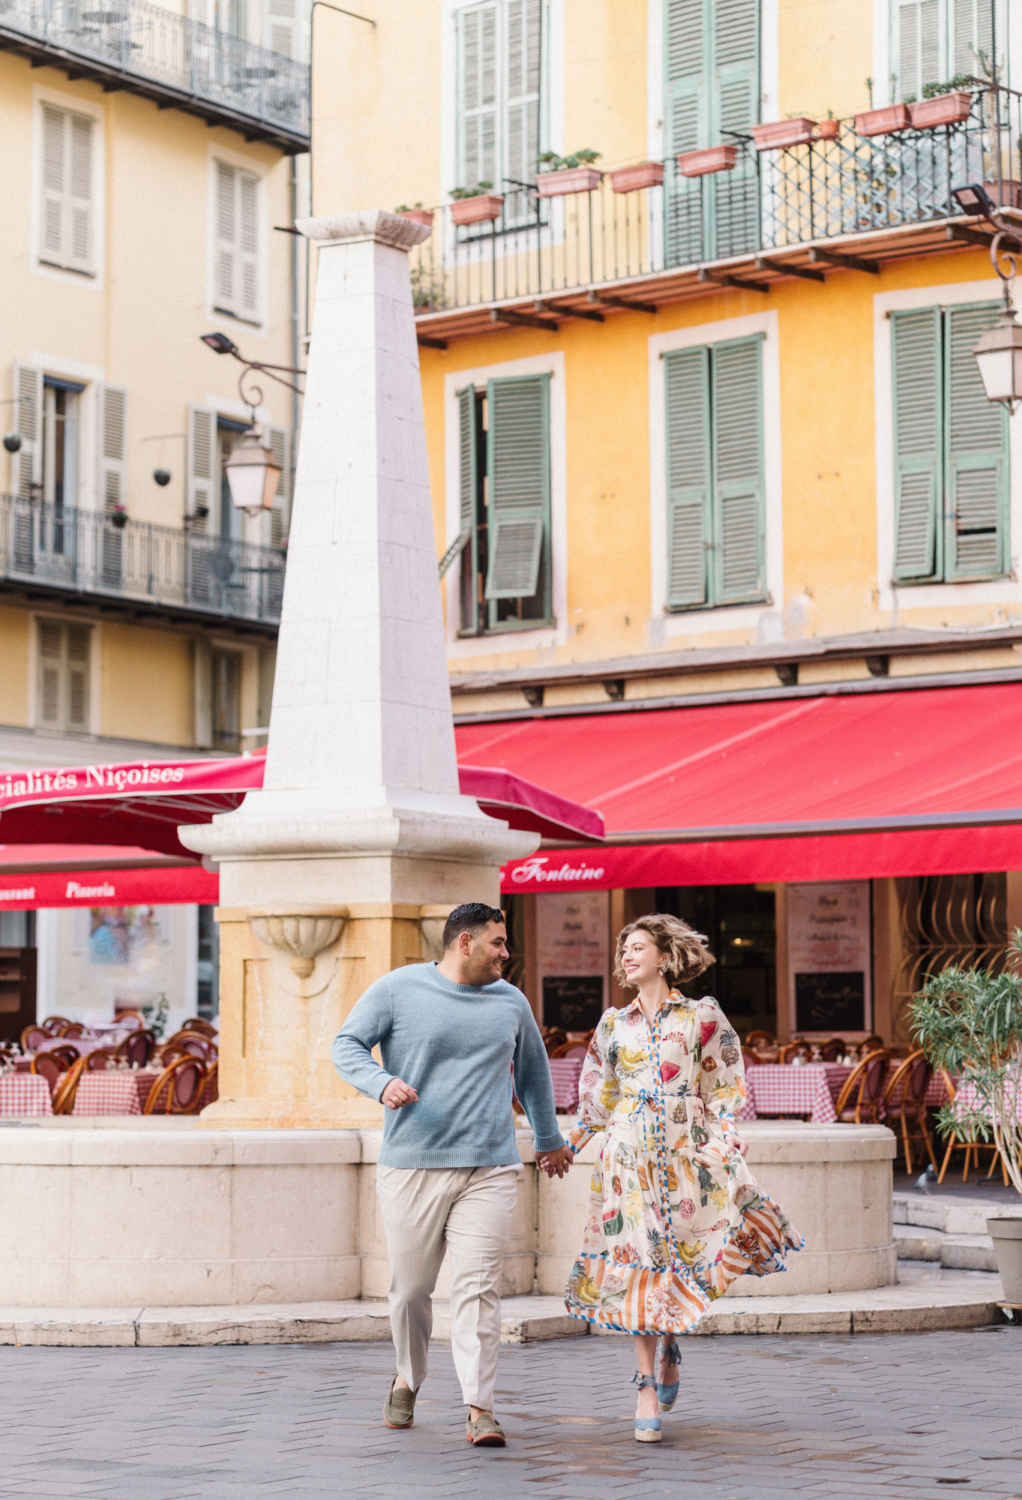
555	1163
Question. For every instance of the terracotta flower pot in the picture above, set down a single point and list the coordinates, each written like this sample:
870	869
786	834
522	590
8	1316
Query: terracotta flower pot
629	179
568	180
477	210
945	109
883	121
828	130
713	159
419	215
781	133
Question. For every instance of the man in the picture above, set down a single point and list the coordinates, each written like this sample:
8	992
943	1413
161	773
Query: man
450	1034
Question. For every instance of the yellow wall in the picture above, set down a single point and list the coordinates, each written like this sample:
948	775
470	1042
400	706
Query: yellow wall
14	628
146	685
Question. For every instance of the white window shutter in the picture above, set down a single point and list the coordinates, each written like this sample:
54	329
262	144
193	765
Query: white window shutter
280	445
54	175
282	22
226	267
113	446
247	303
51	672
77	676
478	94
27	465
79	201
200	458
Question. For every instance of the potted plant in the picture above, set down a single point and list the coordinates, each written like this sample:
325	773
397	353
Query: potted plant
942	104
562	175
475	205
969	1021
883	121
778	134
418	214
118	517
629	179
828	129
712	159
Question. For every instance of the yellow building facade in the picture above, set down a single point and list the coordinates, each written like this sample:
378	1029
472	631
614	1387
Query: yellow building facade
710	429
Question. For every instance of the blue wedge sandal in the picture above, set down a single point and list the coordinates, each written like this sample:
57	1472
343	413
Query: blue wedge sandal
666	1395
647	1429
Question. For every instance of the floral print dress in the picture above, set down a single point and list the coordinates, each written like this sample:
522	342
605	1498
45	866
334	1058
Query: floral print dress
674	1212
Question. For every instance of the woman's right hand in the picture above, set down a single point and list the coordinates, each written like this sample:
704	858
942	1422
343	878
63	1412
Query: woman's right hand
397	1094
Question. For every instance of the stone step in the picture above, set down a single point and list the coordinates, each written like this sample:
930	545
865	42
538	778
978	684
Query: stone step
959	1252
950	1213
926	1297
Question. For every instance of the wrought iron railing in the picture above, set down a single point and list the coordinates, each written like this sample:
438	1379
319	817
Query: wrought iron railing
81	551
150	43
769	201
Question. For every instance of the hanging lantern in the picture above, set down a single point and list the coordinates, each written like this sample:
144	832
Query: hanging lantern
253	473
999	357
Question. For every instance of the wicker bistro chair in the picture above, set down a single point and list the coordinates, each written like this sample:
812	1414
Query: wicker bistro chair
33	1037
971	1148
791	1050
136	1049
862	1095
834	1049
905	1101
184	1081
73	1030
204	1028
100	1058
760	1041
67	1055
64	1096
54	1025
47	1066
200	1046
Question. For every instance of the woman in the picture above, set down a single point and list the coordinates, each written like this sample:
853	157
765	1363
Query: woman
675	1215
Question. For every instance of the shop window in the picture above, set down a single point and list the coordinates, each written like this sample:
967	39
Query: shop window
715	491
226	675
504	438
740	925
950	450
946	920
63	653
207	1000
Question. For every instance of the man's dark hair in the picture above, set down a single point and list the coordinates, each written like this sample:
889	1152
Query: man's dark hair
472	917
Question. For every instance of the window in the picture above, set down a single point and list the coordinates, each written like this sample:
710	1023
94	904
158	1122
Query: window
226	675
504	440
236	273
711	94
63	654
60	442
210	440
950	447
67	189
499	53
715	513
935	39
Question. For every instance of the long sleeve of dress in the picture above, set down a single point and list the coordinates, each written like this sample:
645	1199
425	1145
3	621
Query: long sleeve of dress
598	1087
722	1069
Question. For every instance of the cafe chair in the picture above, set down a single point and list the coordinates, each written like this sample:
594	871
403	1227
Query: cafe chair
553	1037
862	1094
33	1037
183	1080
54	1025
195	1043
66	1055
971	1148
196	1023
64	1097
130	1020
72	1030
791	1050
905	1102
760	1040
136	1049
871	1044
46	1066
211	1087
99	1058
834	1050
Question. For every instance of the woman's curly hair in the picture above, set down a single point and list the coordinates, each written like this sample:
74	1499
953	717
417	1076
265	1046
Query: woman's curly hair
684	948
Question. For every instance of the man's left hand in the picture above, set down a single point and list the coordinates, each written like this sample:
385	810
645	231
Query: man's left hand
555	1163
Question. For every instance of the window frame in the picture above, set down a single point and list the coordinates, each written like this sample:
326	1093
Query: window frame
92	278
215	305
90	724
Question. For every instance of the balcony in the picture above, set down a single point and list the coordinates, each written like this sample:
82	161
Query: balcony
853	202
78	556
128	44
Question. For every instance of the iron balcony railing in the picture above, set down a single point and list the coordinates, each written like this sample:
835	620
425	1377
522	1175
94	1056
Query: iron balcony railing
84	552
174	54
769	201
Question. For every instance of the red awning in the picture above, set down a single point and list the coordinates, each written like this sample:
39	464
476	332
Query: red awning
922	781
43	875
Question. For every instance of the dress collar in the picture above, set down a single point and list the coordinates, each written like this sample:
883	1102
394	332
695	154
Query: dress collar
673	998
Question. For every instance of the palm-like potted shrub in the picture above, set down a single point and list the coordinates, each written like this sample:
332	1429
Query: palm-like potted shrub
475	205
562	175
969	1021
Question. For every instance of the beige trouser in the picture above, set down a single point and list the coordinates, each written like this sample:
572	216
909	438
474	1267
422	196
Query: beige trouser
466	1211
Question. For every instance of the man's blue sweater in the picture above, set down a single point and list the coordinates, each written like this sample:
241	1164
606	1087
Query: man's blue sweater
456	1044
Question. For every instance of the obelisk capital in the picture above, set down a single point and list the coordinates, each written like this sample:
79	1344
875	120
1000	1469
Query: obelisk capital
375	224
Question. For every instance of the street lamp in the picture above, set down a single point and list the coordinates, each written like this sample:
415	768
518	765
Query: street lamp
999	351
252	471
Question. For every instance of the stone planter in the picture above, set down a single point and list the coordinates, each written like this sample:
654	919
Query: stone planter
781	133
630	179
883	121
419	215
568	180
828	130
1007	1237
702	163
477	210
945	109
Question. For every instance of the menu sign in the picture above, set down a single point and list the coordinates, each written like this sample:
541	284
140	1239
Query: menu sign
573	957
829	968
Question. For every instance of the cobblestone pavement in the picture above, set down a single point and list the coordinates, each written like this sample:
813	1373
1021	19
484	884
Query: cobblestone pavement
826	1419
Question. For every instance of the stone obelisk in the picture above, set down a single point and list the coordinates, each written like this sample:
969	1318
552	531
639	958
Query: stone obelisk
342	866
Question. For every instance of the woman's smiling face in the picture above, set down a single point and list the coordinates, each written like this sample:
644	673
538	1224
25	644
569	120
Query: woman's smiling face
640	958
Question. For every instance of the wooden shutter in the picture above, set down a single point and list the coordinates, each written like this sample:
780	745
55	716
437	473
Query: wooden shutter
915	338
200	479
280	446
521	96
737	408
54	173
226	272
248	246
973	37
518	468
687	126
919	25
113	446
27	465
79	207
282	22
51	672
478	95
64	656
734	101
77	676
976	463
468	491
688	476
66	229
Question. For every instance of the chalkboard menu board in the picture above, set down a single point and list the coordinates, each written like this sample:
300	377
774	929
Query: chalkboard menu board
574	1003
830	1002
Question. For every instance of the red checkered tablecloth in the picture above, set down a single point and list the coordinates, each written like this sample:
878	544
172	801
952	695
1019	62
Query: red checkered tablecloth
783	1089
109	1092
968	1099
25	1094
566	1072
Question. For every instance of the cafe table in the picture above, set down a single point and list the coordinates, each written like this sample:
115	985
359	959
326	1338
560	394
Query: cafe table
565	1073
108	1091
793	1089
25	1094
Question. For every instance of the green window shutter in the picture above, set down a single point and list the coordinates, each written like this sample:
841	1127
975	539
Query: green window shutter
468	489
737	405
518	467
688	476
916	339
976	462
735	109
